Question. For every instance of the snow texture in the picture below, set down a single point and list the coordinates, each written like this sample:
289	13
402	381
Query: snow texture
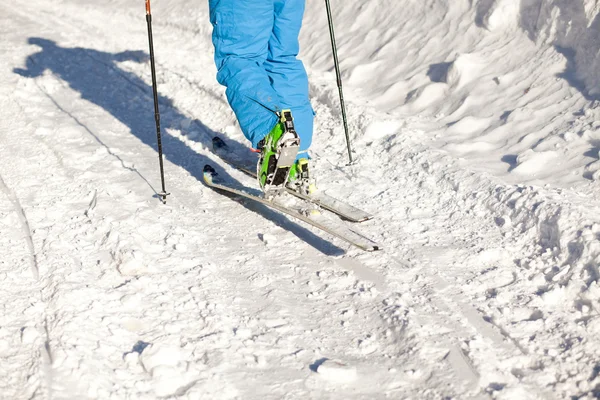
475	129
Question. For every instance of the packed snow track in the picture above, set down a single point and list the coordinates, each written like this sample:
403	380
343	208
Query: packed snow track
487	287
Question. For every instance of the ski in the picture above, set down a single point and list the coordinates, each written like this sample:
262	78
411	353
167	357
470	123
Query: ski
323	200
317	220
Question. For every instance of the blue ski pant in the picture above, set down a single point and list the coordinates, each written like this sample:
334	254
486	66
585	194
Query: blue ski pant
256	49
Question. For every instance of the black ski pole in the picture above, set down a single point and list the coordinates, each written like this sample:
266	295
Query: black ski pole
164	193
339	77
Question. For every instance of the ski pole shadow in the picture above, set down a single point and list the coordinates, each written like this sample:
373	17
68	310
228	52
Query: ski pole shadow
97	77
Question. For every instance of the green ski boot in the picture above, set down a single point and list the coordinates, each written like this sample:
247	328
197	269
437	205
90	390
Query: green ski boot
299	178
278	151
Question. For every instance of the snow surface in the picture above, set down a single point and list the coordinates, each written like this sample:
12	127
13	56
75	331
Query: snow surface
475	128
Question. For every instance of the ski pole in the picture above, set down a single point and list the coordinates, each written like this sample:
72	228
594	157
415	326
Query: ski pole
164	193
338	76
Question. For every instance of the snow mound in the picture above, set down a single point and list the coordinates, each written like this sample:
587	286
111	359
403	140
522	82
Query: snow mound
498	14
166	365
531	162
337	371
464	69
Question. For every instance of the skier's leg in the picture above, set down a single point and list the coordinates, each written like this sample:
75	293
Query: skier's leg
241	33
286	73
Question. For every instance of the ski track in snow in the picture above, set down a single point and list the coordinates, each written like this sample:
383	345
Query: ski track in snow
35	271
136	299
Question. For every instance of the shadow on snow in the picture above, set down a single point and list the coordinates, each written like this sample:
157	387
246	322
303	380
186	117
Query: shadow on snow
98	79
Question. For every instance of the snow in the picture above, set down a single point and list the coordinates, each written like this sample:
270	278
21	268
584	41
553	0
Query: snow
475	128
336	371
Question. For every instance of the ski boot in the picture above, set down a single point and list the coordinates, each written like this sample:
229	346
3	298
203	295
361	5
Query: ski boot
278	151
300	180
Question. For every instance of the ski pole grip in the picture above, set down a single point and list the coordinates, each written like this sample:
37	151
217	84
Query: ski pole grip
148	7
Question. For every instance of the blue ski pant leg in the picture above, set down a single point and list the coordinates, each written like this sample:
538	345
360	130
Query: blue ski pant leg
286	73
241	33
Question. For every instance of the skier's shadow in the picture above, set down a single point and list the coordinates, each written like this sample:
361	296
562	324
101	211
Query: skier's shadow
99	79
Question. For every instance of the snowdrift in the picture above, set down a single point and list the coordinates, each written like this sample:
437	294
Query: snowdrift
504	84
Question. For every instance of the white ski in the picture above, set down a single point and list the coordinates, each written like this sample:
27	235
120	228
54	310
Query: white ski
316	220
323	200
